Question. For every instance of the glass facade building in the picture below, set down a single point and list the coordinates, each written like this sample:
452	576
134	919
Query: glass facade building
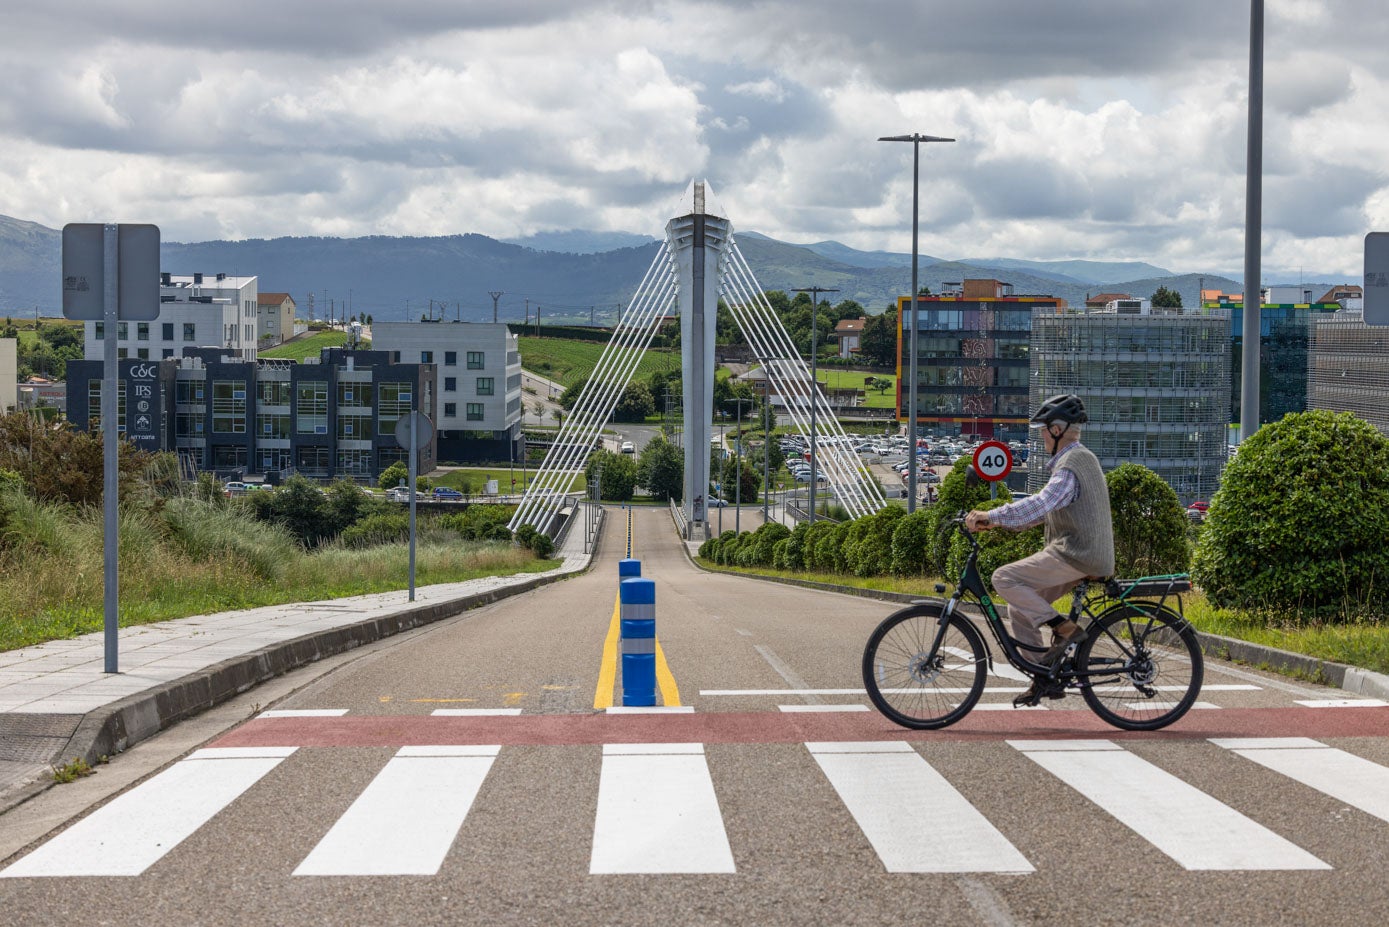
1348	367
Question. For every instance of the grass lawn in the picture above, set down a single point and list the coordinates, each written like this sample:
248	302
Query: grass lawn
567	361
477	477
308	346
854	379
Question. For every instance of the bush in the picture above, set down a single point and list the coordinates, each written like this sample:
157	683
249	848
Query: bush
382	528
868	541
524	535
912	538
1150	525
618	474
542	546
955	497
794	557
1299	523
763	543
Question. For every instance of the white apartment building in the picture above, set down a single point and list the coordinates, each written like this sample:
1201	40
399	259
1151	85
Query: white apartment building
478	393
195	311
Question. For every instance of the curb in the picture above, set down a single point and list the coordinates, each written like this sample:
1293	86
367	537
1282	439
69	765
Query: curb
114	728
1341	675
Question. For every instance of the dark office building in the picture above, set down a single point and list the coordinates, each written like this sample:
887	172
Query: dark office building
972	359
328	419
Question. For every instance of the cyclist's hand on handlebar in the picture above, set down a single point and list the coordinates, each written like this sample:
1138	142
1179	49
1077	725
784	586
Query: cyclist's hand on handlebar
978	521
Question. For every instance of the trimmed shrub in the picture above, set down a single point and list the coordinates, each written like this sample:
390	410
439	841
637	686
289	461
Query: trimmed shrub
868	541
912	537
542	546
1150	525
1298	526
996	547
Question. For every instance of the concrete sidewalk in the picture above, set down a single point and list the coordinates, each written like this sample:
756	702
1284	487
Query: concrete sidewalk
57	703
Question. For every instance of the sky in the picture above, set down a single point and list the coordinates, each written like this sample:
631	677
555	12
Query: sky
1085	129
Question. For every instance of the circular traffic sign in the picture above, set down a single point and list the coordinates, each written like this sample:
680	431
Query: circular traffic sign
993	460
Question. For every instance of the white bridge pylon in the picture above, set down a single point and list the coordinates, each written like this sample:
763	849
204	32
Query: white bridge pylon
698	263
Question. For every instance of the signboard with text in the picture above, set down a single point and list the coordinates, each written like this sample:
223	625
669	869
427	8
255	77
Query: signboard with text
1376	292
992	460
143	412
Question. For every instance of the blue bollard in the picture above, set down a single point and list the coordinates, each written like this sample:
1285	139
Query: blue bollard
628	569
638	622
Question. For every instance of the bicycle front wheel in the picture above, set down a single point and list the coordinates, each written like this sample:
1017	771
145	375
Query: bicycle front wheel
915	684
1143	666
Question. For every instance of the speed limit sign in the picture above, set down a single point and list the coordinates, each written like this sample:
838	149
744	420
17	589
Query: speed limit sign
993	460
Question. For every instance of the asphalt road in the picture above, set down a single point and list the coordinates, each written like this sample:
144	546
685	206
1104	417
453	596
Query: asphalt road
760	806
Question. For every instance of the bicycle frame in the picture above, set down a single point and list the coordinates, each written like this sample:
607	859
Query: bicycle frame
970	587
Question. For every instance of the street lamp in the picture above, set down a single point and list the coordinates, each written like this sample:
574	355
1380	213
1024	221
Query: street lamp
738	466
766	451
814	292
916	139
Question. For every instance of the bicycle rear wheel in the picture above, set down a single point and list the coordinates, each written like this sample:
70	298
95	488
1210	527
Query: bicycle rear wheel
918	687
1146	663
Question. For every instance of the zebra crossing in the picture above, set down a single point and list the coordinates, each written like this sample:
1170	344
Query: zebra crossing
658	811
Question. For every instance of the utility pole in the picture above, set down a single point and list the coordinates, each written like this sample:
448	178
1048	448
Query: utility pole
496	295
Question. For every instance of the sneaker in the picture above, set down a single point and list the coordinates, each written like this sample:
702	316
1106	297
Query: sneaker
1062	636
1041	688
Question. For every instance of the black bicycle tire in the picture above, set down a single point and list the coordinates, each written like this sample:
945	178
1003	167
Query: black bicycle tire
870	668
1172	623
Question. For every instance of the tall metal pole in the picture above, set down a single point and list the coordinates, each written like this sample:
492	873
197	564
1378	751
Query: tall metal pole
916	139
111	446
766	452
738	468
1253	227
814	292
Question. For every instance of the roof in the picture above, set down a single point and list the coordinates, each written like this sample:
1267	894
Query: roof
1101	298
849	326
1344	291
273	299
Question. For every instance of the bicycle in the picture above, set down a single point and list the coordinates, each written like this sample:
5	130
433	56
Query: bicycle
925	665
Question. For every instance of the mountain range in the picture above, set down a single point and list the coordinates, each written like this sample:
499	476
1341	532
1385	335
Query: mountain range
569	276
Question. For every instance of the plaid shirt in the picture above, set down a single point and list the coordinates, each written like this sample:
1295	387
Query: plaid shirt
1061	490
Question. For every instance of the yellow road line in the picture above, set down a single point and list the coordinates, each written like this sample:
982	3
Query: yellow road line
670	694
607	672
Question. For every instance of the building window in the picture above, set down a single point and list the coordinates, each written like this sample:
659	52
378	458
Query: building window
94	404
166	353
122	353
450	358
190	392
485	386
166	331
477	360
274	425
311	408
450	409
354	462
229	407
188	425
99	332
450	384
142	331
143	353
122	331
274	392
426	357
396	400
474	411
513	383
188	329
354	395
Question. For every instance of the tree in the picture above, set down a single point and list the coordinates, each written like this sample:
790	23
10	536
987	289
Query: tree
661	469
635	405
60	464
1150	524
619	475
878	343
1167	299
734	468
1299	523
570	396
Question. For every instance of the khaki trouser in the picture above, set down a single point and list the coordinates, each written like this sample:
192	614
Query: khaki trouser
1030	585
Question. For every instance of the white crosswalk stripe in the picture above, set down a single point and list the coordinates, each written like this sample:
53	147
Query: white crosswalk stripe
1196	830
136	830
404	822
1344	776
658	812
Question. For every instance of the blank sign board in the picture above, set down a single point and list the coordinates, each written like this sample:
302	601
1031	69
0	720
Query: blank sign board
1377	278
84	271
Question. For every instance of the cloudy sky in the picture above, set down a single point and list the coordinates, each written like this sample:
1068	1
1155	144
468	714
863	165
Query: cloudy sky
1099	129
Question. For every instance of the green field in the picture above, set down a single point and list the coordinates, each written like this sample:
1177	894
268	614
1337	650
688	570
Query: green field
308	346
566	361
846	379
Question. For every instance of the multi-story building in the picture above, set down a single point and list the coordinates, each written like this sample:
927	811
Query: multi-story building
195	311
1348	366
972	358
1283	334
275	318
1155	386
330	418
479	389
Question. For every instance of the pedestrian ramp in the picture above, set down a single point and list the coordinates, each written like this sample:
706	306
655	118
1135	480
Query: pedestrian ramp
657	809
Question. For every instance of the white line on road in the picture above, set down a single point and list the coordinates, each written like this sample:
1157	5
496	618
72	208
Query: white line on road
793	679
1191	827
943	690
1344	703
475	712
1344	776
657	812
137	829
915	819
822	708
406	819
303	713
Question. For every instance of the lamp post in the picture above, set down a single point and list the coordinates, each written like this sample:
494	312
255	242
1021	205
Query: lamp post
814	292
738	467
766	453
916	139
721	499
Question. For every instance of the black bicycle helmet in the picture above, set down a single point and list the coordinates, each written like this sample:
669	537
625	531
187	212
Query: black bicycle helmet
1063	407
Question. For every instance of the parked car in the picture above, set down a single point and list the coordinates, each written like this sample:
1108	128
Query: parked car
716	503
235	488
446	494
398	494
1197	510
628	447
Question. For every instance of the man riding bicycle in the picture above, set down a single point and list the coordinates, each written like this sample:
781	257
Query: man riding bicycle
1074	506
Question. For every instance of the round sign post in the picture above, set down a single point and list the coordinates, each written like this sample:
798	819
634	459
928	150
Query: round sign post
993	461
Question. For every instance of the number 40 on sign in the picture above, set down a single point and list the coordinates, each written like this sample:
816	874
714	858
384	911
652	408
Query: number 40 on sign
992	460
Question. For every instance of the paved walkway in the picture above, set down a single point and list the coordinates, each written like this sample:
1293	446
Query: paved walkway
57	702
